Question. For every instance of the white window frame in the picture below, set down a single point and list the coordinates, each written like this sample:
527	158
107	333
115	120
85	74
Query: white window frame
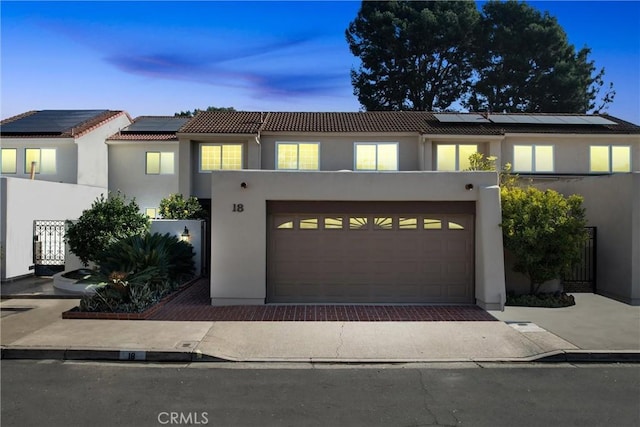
162	170
222	144
534	168
15	161
27	168
609	148
297	144
457	155
376	144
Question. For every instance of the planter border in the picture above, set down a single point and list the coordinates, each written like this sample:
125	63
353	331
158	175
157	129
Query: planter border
144	315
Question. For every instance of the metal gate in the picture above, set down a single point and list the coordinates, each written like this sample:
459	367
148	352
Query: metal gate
582	278
48	247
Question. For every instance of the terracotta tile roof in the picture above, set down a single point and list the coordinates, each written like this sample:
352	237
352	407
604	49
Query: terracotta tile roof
76	131
419	122
239	122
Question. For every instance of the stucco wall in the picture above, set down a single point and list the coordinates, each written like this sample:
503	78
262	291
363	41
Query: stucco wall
337	151
127	164
24	201
613	205
66	158
93	153
239	239
572	152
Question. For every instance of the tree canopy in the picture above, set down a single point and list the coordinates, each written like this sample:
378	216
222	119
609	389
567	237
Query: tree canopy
441	55
189	113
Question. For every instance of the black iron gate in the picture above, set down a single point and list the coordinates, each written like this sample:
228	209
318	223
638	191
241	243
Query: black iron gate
48	247
583	276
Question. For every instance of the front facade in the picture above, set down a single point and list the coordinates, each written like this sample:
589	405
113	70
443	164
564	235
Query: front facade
358	207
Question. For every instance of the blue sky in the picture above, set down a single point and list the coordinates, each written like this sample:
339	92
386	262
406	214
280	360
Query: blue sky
156	58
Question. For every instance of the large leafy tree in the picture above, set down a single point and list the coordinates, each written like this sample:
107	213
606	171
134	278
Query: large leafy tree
524	63
190	113
414	55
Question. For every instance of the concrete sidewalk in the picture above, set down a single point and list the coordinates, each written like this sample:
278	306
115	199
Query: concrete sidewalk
596	329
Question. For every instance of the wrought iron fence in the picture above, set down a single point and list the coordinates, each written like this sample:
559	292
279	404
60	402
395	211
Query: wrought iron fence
48	246
582	278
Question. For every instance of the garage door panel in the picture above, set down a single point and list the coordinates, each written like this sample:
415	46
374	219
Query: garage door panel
372	258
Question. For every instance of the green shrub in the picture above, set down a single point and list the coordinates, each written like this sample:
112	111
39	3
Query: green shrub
553	300
107	221
176	207
544	230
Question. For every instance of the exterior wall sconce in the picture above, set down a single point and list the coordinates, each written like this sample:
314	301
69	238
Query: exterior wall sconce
468	187
185	236
243	185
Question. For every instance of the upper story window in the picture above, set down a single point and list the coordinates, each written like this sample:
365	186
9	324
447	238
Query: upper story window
44	158
610	158
452	157
533	158
160	163
9	160
371	156
220	156
298	155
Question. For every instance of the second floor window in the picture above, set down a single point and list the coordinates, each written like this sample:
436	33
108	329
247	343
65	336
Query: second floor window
220	156
371	156
9	160
452	157
160	163
610	158
44	159
533	158
298	156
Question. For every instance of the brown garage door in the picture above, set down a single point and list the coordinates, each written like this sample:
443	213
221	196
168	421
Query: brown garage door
371	252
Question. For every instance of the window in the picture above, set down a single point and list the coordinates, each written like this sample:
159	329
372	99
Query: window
9	160
160	163
610	158
220	156
297	156
376	157
44	158
533	158
150	212
451	157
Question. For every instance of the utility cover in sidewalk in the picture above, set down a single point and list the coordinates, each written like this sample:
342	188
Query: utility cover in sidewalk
525	327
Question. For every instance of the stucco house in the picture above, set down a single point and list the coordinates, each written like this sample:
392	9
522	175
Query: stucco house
375	207
53	165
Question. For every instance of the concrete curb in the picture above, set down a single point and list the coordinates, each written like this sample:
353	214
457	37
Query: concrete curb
560	356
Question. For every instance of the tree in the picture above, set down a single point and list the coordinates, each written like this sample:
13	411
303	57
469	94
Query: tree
414	55
176	207
197	110
544	231
107	221
524	63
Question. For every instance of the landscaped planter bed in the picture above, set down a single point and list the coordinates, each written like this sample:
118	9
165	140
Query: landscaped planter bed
74	313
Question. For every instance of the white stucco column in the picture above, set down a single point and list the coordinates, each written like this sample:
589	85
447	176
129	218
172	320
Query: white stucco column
184	167
490	284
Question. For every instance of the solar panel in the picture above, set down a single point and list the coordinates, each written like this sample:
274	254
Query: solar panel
50	121
460	118
550	119
156	124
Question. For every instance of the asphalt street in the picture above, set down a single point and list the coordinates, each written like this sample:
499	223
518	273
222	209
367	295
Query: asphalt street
56	393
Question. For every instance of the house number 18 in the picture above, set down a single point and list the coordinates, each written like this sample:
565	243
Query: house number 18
238	207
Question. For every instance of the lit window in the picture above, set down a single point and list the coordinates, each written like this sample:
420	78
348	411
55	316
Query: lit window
382	223
408	223
150	212
533	158
297	156
432	224
309	224
610	158
358	223
9	160
376	157
44	159
452	157
221	156
160	163
333	223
